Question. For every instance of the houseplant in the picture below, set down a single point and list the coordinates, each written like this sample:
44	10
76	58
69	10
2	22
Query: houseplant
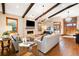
5	34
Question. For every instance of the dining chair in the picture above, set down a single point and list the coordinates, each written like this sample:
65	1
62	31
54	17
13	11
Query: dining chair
5	45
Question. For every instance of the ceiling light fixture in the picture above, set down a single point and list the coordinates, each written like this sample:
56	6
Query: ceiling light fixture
43	6
68	19
43	12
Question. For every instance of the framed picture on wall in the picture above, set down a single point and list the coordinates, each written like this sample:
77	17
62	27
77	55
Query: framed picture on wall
12	24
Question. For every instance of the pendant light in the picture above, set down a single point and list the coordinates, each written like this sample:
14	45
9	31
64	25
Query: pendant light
68	19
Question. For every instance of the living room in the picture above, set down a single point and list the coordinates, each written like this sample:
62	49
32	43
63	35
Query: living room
25	31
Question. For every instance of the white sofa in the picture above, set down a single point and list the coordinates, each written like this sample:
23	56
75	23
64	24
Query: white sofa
48	42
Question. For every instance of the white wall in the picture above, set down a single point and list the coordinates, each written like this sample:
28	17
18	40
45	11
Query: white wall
3	23
20	26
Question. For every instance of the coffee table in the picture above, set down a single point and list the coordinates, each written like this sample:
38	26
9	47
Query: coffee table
25	47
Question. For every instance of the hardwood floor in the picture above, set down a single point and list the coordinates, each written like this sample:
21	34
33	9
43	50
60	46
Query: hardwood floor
66	47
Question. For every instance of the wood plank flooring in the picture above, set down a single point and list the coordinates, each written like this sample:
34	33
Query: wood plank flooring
65	47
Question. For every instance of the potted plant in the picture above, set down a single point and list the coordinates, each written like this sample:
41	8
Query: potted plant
5	34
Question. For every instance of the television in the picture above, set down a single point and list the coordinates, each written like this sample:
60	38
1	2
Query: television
30	23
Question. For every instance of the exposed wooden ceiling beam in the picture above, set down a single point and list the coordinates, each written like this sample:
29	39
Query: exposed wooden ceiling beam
28	9
63	10
3	8
48	10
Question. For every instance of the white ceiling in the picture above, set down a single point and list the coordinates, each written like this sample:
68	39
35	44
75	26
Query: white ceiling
74	11
38	9
19	9
15	8
60	7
